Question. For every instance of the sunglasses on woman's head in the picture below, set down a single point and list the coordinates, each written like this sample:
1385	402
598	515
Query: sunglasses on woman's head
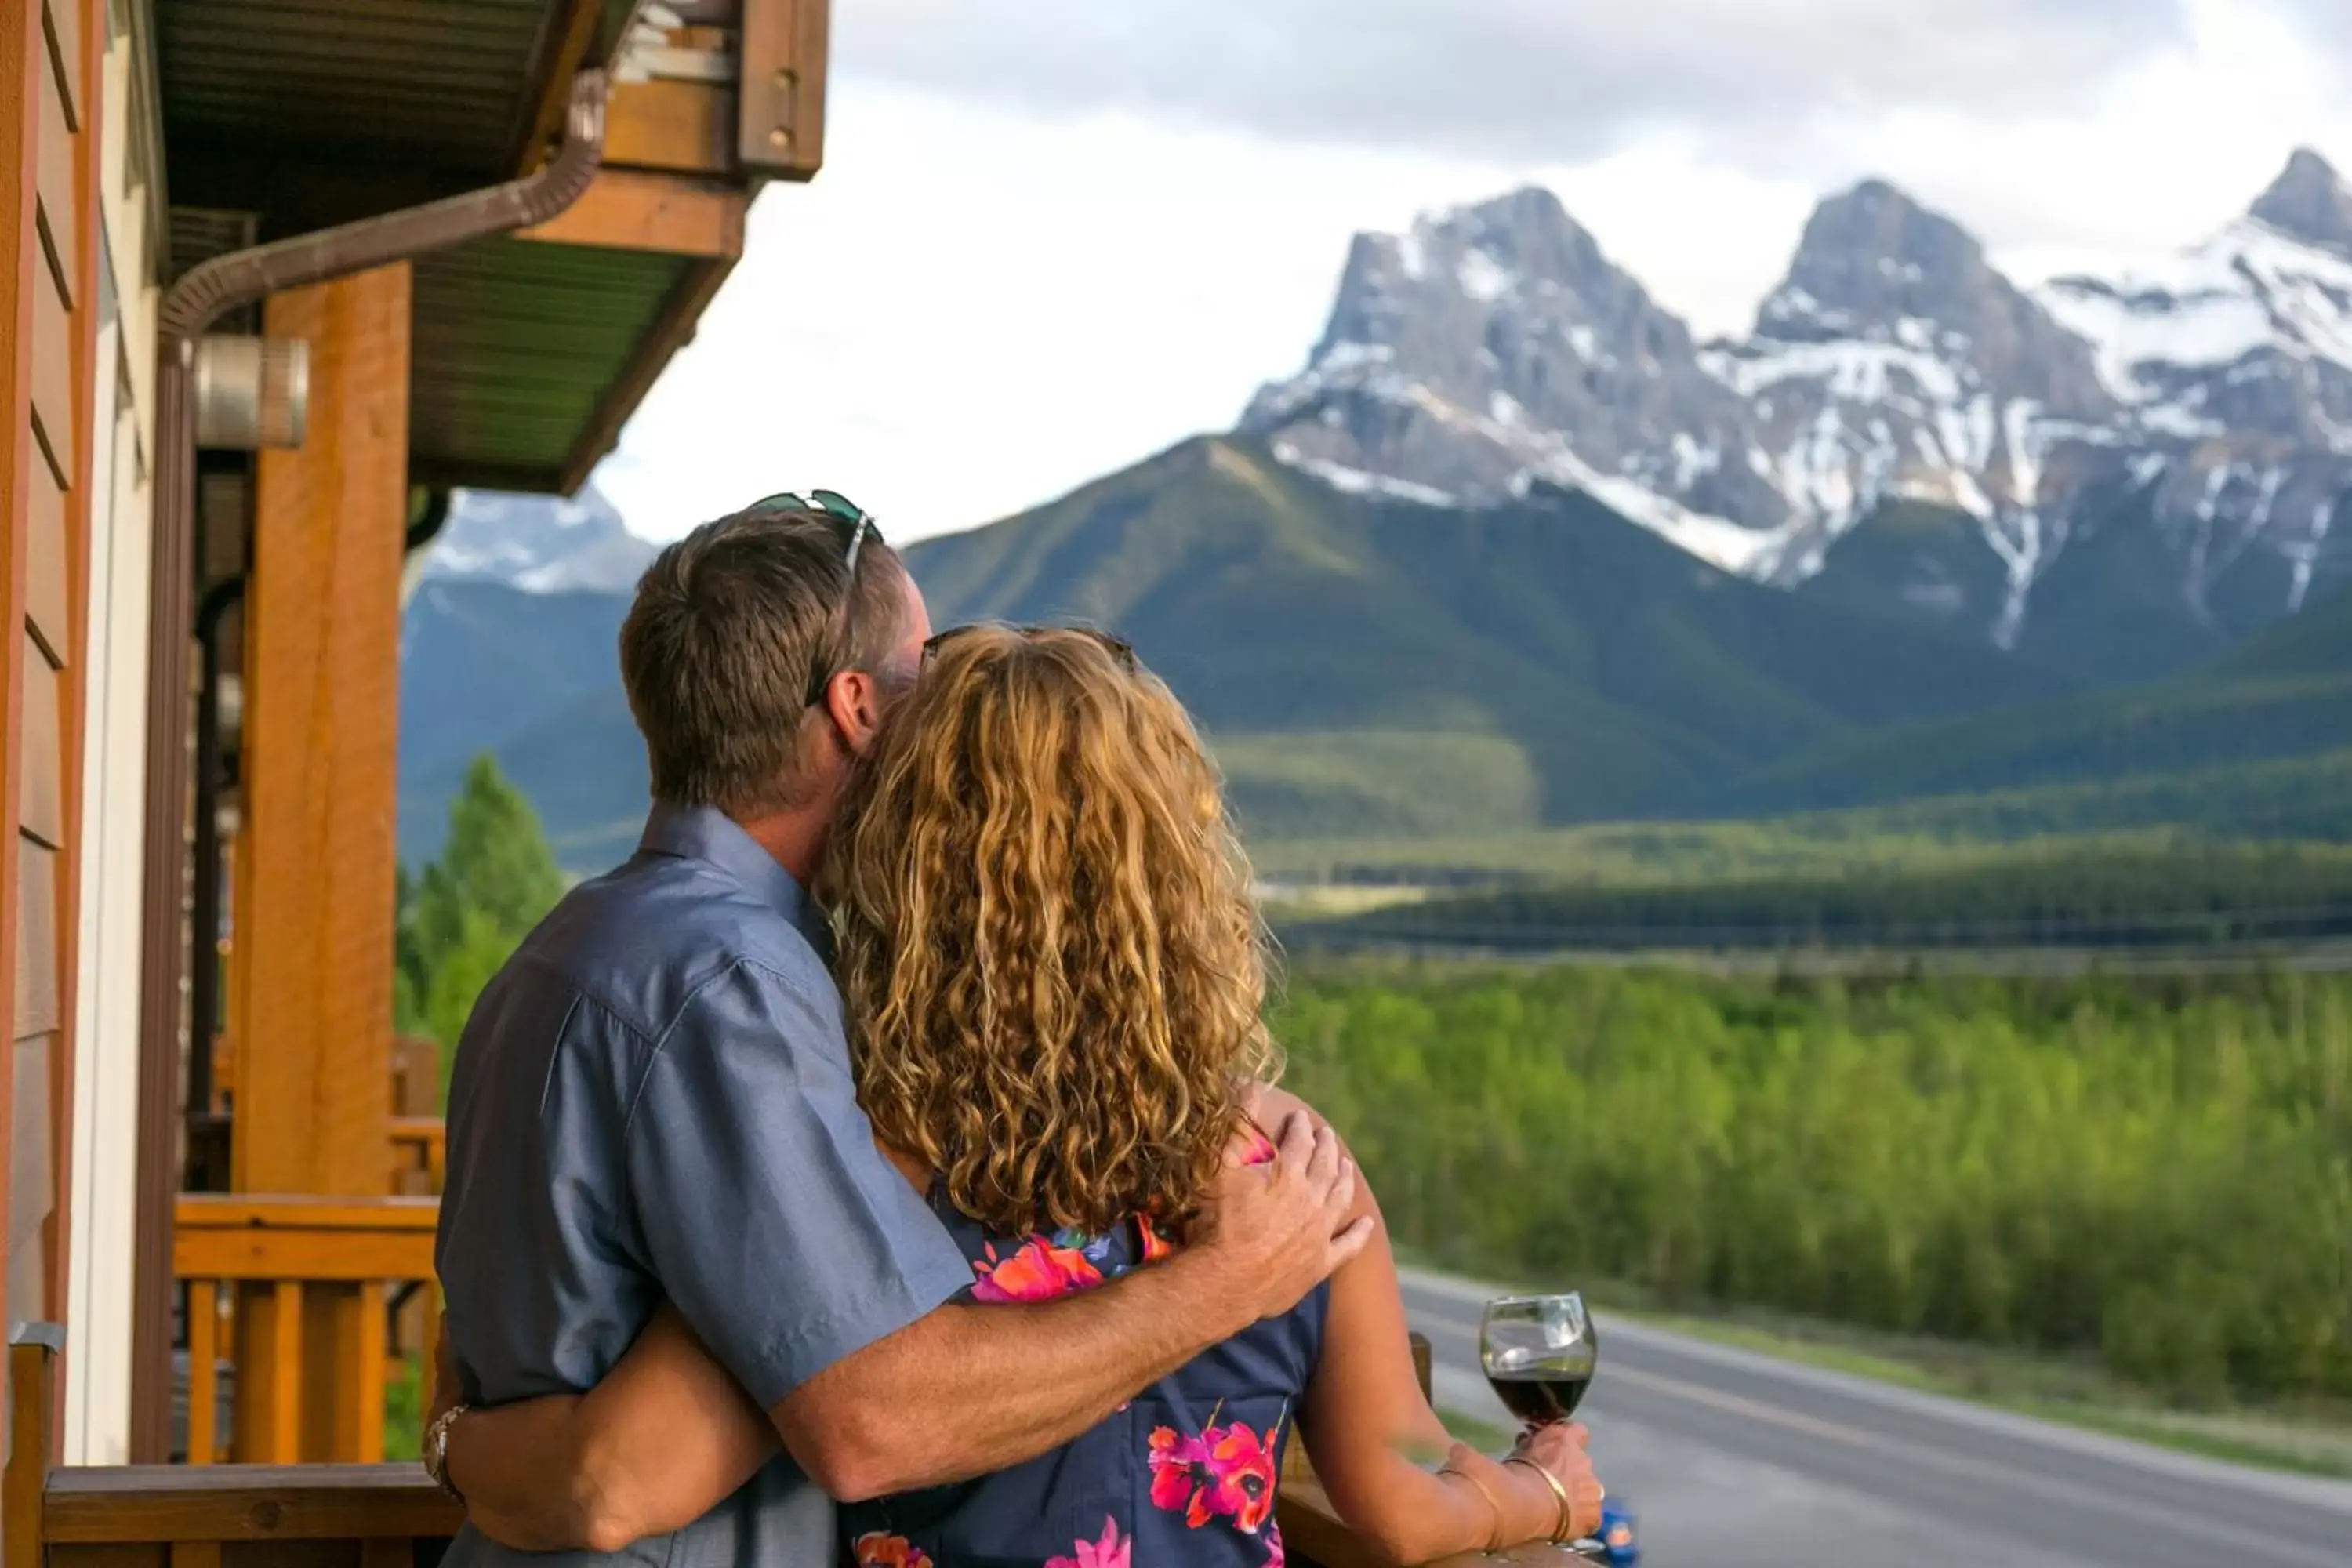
833	503
1119	649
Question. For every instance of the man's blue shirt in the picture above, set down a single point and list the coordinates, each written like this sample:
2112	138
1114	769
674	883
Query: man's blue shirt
652	1102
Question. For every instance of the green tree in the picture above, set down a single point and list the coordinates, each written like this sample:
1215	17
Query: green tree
460	918
495	860
2158	1173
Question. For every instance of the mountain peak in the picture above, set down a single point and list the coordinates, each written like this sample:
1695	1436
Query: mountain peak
2309	202
1527	232
1496	341
539	545
1535	206
1872	256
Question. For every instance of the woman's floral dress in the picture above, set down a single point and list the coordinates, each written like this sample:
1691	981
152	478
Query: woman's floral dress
1183	1474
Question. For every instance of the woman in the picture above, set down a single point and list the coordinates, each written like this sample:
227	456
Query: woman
1054	978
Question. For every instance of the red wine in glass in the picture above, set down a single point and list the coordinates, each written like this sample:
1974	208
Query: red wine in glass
1539	1354
1541	1399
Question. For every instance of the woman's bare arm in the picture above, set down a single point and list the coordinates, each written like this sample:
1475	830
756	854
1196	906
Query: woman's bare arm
648	1451
1373	1437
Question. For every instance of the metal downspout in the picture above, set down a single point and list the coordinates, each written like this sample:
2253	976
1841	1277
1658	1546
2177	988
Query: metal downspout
193	304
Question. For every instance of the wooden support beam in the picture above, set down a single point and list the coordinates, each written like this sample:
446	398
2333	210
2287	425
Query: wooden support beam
312	955
779	129
627	209
688	127
313	910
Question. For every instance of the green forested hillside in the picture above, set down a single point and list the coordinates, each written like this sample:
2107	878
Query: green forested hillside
1379	674
2111	610
1384	669
2283	695
2117	894
2158	1174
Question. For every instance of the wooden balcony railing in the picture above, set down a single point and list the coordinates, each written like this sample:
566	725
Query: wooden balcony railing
295	1293
420	1154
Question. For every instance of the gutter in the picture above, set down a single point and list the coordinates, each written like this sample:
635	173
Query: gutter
196	301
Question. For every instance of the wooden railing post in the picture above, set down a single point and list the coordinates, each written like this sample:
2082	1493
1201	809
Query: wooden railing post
312	1279
204	1371
33	1351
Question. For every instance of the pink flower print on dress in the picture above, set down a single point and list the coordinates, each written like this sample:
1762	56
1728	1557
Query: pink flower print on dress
876	1549
1241	1474
1039	1271
1110	1552
1178	1464
1225	1472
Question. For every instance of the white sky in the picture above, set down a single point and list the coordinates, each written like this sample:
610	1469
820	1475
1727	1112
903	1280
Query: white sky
984	301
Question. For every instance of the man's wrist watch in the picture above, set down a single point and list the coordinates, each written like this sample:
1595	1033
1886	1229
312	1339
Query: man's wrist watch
435	1449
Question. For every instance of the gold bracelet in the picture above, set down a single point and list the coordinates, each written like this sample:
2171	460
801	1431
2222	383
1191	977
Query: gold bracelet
1494	1537
1567	1525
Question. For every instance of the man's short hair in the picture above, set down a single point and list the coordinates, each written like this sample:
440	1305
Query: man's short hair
732	627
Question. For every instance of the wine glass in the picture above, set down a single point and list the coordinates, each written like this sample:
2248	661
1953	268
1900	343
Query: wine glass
1538	1353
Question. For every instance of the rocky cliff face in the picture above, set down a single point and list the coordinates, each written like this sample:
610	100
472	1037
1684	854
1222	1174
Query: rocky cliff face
1497	344
1893	368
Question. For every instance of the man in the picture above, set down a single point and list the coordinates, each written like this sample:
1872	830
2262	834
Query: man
652	1100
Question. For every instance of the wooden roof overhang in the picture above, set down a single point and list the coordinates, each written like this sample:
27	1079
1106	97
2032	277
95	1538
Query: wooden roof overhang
529	351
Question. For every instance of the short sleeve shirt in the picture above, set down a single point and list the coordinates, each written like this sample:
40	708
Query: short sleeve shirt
652	1100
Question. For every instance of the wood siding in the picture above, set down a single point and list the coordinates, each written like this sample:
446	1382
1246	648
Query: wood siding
49	172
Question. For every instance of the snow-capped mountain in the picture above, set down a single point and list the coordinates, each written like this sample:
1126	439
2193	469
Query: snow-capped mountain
539	545
2233	364
1894	362
1495	345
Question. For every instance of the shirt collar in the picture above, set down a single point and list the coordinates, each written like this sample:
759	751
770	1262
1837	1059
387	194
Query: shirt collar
707	833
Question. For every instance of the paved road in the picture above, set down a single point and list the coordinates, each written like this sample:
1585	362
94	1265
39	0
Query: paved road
1737	1461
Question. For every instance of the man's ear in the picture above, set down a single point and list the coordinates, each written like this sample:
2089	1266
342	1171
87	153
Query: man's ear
853	701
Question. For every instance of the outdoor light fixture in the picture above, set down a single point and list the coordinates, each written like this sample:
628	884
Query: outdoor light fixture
251	393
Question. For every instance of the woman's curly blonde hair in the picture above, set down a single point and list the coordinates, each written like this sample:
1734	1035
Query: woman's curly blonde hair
1052	966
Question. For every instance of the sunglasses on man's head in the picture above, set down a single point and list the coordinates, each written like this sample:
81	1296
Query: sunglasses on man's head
833	503
1119	649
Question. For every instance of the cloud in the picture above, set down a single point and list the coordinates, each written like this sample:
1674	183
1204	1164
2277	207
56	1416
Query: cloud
1544	79
2327	22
